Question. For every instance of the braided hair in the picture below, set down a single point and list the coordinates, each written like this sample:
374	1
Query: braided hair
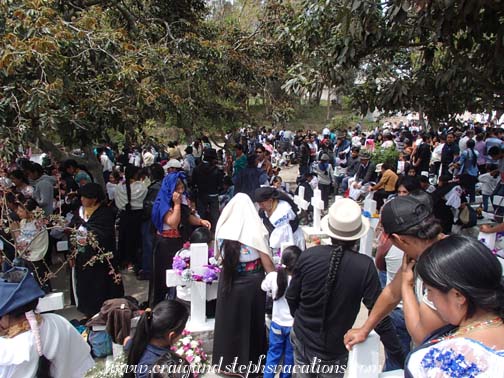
334	264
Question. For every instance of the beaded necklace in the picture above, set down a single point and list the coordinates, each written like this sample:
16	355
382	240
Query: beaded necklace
489	323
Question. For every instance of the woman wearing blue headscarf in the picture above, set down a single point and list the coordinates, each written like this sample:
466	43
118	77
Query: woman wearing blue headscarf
172	219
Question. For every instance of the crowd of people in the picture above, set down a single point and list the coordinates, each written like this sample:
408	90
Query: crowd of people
435	299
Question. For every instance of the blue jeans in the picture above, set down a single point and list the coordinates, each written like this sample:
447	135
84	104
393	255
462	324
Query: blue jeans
279	345
147	245
344	183
397	317
485	201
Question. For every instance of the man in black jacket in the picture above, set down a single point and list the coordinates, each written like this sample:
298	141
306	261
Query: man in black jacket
325	294
207	180
366	171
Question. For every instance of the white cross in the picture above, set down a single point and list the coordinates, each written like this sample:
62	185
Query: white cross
366	241
299	200
318	206
200	291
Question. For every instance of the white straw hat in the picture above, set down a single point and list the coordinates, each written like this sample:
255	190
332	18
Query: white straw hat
345	221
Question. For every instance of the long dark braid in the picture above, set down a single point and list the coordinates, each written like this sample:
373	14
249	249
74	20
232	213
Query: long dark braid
230	250
336	255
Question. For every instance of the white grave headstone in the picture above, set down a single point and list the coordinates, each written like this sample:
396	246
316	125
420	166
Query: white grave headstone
299	199
370	206
364	358
318	206
366	242
51	302
200	291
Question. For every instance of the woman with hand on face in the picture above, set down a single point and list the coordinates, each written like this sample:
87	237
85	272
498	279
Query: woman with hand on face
173	221
464	282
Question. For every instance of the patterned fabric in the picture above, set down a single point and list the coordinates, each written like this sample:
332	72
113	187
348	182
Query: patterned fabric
457	357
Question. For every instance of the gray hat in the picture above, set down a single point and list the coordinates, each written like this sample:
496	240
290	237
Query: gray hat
324	157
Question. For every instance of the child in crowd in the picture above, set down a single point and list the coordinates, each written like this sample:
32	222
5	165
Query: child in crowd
114	179
157	331
488	182
279	334
227	193
31	237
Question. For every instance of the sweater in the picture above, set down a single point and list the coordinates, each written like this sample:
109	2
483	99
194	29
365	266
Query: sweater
387	181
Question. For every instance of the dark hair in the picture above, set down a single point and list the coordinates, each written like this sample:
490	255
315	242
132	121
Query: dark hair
35	167
92	190
467	265
411	183
251	160
73	164
156	172
30	204
201	235
290	256
19	174
130	173
168	316
493	151
171	365
230	250
423	179
470	145
116	175
428	229
336	256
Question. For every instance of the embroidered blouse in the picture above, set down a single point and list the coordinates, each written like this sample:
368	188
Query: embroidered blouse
457	357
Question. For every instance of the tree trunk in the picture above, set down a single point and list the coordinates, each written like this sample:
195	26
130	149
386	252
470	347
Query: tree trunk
90	160
421	118
328	115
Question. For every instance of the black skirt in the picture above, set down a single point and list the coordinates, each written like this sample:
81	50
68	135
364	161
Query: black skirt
164	251
240	330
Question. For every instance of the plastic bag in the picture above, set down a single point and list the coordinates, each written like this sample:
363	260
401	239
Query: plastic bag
101	343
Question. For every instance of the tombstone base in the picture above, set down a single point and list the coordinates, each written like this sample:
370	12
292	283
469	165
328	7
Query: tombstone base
203	332
310	232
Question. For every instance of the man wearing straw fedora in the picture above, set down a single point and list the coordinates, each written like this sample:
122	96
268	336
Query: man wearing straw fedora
325	294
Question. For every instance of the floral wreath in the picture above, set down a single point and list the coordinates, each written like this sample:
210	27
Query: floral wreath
182	266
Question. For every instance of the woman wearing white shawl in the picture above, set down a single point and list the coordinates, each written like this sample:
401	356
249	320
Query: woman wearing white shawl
280	218
242	242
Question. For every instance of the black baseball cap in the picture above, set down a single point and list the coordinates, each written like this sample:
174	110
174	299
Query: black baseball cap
402	213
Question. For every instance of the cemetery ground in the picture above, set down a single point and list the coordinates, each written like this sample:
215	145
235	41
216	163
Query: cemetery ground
139	289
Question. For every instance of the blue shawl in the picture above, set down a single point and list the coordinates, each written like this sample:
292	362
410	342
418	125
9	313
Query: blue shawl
163	202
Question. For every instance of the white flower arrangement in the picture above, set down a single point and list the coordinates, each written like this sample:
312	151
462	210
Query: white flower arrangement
191	350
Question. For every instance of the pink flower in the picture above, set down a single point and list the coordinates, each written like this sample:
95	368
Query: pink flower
189	359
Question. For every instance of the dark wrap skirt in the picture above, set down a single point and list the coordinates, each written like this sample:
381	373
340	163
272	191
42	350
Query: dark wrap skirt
240	330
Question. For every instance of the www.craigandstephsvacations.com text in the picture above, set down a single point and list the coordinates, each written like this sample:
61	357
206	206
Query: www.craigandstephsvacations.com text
183	371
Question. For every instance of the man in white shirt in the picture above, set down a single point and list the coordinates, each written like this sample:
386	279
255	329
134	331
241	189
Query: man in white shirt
463	141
